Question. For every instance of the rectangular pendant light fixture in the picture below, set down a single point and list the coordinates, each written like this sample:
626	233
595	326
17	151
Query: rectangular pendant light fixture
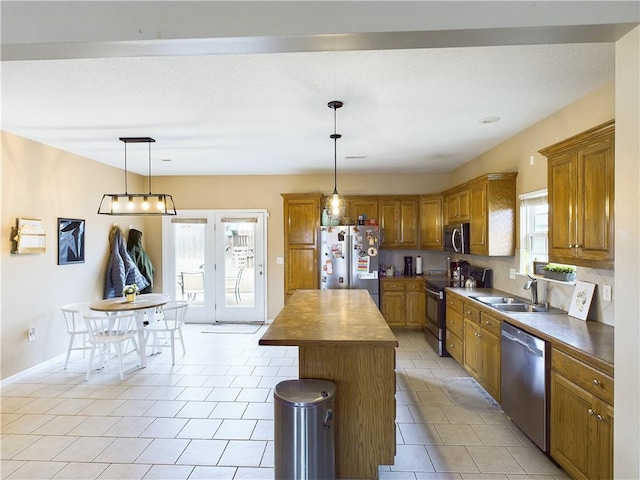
136	203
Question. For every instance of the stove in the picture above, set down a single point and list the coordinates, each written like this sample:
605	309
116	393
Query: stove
435	326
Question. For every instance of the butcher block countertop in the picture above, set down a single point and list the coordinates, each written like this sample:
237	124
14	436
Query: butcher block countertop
330	317
590	341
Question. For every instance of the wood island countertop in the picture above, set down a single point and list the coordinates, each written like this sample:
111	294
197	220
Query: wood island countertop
330	317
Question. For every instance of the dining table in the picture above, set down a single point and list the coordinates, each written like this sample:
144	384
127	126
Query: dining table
144	304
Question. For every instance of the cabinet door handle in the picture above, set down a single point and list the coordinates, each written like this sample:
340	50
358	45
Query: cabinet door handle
596	383
578	246
590	412
600	418
487	322
571	245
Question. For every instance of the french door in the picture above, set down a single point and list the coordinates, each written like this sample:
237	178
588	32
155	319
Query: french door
214	259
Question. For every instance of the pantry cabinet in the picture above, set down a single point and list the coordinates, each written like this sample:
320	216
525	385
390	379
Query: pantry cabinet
581	198
301	228
581	418
431	222
399	222
403	302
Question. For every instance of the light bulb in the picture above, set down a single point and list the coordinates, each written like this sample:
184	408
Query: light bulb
145	203
335	202
160	204
115	205
130	204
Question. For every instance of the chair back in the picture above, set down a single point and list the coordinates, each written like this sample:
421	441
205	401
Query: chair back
192	282
106	327
73	313
173	314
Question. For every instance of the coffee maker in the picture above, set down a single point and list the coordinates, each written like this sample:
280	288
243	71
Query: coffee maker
408	266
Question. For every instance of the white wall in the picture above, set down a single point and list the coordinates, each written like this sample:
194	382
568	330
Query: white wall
627	264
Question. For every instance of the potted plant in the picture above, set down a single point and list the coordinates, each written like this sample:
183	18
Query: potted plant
130	291
563	273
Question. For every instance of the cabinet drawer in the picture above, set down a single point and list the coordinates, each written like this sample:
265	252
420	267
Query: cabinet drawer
454	322
455	347
471	313
491	324
592	380
414	286
392	286
454	303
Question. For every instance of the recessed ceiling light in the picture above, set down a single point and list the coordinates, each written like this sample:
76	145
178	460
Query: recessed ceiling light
490	120
355	157
166	159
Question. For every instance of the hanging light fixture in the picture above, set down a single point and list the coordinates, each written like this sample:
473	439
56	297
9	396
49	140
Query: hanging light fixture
335	205
136	203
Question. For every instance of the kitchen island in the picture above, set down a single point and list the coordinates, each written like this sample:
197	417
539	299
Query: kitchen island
342	337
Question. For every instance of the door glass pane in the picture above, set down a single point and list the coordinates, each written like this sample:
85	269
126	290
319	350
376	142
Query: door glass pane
239	244
190	261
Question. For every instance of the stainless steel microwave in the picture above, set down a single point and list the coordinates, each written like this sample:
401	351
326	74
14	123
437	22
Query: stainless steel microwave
456	238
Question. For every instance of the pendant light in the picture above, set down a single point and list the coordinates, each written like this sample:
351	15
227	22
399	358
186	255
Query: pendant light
335	205
136	203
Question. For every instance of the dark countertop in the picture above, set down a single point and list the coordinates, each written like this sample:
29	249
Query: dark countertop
592	342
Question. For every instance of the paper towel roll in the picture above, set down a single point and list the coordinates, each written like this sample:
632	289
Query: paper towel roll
418	265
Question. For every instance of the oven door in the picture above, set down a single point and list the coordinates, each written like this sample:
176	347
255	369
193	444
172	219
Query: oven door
435	319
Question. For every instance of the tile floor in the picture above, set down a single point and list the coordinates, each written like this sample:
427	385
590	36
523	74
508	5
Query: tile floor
211	417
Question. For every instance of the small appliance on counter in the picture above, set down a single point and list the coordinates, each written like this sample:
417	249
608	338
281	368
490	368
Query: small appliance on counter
408	266
418	265
435	326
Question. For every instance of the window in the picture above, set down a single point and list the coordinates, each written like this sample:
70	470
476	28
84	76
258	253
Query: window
534	227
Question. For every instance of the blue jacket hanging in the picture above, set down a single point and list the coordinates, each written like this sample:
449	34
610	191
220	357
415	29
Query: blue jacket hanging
121	270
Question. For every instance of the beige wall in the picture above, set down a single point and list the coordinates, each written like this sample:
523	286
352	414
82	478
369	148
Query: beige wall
45	183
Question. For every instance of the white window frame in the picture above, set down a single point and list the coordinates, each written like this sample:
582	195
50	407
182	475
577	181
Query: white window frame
527	201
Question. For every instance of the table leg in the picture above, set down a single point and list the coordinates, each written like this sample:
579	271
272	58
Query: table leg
142	344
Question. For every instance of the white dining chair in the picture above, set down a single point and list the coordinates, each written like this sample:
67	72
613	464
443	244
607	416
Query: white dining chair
111	329
76	327
167	327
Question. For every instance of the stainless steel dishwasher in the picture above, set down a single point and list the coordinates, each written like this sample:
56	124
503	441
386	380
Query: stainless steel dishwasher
524	392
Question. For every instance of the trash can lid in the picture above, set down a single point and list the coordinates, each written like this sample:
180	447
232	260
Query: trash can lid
305	392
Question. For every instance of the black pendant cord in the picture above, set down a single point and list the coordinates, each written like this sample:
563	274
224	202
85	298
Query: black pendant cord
149	168
126	189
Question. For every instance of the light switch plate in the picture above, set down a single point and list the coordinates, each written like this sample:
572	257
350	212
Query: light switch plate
512	273
606	292
279	260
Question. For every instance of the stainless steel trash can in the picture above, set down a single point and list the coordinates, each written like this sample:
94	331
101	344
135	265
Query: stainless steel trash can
303	430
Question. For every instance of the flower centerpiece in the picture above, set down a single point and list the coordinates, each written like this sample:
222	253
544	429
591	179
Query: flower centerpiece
130	291
563	273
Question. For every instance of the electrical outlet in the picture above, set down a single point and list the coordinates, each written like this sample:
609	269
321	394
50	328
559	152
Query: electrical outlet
279	260
32	333
606	293
512	273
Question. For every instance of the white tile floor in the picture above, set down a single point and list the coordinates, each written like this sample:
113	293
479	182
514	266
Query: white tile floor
211	417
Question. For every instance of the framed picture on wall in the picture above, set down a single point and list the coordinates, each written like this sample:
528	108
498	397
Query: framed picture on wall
70	241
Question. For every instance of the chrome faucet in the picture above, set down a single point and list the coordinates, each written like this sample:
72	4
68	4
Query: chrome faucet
533	286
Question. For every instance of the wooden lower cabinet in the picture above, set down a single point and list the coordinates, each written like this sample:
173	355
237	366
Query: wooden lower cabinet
581	420
482	349
403	302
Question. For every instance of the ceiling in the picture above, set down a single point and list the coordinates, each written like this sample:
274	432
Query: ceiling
416	109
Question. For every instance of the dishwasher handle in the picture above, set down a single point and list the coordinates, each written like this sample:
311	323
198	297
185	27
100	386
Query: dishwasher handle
510	338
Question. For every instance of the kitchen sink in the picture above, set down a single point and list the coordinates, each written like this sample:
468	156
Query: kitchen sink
519	307
497	300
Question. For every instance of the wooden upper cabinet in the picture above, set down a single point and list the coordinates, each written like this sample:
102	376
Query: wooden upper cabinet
431	222
581	198
399	222
301	229
493	214
457	205
367	206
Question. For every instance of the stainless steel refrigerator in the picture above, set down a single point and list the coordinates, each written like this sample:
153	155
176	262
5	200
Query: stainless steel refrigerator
349	258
